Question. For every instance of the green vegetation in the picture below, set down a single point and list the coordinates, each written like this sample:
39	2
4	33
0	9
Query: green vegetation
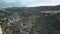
34	22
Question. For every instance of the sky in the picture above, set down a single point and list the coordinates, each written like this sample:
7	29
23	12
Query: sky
28	3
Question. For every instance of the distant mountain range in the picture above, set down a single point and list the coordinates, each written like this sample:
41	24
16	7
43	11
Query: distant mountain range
39	8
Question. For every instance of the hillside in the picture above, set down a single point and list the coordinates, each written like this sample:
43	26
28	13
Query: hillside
28	20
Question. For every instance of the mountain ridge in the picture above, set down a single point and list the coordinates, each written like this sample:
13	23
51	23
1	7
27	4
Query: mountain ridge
39	8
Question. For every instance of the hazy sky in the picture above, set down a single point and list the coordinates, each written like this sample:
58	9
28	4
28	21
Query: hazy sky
28	3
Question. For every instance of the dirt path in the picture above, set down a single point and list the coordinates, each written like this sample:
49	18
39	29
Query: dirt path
0	30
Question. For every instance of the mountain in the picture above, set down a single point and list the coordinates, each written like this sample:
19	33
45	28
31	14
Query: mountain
28	20
39	8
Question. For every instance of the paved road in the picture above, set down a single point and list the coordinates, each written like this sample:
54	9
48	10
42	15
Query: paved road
50	11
